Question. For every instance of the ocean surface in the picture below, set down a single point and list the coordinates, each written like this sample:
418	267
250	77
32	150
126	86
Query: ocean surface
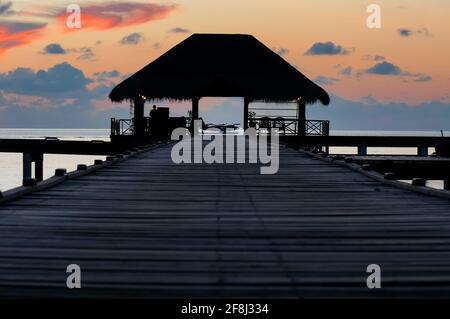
11	163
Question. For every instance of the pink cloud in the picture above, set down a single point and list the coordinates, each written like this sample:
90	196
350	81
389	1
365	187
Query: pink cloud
116	15
15	34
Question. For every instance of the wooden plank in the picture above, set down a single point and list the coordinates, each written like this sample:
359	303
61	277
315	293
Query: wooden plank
148	227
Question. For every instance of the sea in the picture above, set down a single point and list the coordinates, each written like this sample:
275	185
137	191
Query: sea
11	163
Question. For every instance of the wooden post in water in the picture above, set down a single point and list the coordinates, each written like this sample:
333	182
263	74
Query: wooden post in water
246	103
422	151
38	159
139	129
28	159
362	150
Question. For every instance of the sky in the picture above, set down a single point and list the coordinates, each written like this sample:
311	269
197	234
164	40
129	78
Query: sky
53	76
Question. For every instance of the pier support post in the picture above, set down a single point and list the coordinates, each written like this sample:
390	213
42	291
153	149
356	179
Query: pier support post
422	151
28	159
447	184
362	150
246	103
38	159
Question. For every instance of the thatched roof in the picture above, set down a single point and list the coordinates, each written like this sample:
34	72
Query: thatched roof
220	65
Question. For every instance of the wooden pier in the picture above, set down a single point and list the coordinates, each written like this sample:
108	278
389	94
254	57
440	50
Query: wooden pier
149	228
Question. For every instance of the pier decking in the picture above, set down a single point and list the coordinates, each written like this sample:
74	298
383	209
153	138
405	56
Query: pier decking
148	227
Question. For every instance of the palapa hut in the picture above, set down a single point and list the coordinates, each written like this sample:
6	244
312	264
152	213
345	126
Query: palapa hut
219	65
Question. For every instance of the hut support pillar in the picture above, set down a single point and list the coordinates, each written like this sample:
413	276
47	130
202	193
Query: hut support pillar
139	127
301	118
195	113
246	103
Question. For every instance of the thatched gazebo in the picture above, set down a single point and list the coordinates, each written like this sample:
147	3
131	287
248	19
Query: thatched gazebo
219	65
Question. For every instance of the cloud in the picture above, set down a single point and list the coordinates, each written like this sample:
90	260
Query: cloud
106	16
5	8
375	57
347	71
385	68
324	80
54	48
406	33
390	69
281	51
86	54
132	39
107	74
179	30
369	99
370	114
57	97
15	34
58	80
424	78
107	77
326	48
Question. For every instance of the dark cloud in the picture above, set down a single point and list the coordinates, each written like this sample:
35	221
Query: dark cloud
54	48
384	68
326	48
324	80
107	74
179	30
406	33
86	54
371	114
60	79
132	39
390	69
13	27
5	8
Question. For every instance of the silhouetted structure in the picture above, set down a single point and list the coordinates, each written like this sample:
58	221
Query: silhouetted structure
219	65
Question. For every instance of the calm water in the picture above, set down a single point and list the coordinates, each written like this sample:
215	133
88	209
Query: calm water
11	163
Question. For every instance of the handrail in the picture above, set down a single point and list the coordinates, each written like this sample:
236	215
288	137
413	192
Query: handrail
289	126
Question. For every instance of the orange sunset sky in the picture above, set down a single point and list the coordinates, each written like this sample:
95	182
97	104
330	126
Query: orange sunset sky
411	49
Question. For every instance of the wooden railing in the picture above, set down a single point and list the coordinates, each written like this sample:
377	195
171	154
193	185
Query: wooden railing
121	127
288	126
